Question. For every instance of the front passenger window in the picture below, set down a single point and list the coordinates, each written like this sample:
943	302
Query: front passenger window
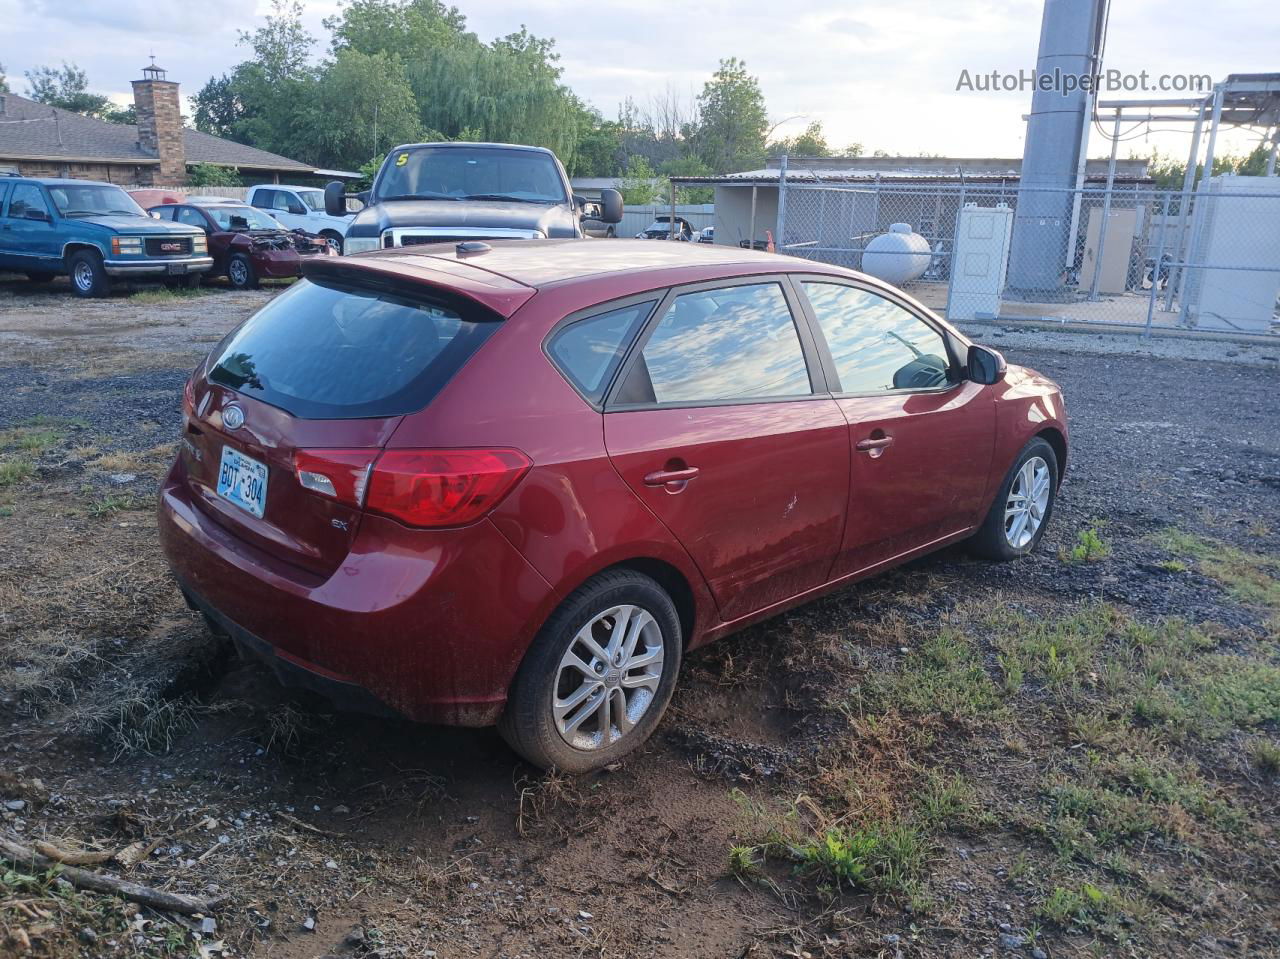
28	203
876	344
736	342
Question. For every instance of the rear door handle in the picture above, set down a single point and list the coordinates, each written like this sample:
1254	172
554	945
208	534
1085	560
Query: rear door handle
867	445
670	477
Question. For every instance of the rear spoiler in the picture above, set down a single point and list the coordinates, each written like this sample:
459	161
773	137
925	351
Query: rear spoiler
435	278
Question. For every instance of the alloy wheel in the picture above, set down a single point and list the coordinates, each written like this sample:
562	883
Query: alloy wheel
239	274
1028	502
84	276
608	677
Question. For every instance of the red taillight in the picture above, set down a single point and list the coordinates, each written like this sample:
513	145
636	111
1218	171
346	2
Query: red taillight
338	474
189	397
443	487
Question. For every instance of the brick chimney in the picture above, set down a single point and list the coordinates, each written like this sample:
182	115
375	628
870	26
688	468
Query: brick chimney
160	126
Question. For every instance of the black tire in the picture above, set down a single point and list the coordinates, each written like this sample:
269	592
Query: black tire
528	724
992	539
39	276
88	278
333	239
241	273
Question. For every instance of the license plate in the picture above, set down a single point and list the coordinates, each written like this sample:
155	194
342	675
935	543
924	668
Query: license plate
177	268
243	481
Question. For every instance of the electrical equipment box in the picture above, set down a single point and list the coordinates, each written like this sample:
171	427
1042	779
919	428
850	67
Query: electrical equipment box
980	263
1234	277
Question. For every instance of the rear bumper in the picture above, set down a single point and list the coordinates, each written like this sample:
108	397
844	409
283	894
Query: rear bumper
200	264
431	624
339	690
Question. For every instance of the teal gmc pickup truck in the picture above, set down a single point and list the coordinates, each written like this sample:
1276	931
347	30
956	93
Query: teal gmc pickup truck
92	232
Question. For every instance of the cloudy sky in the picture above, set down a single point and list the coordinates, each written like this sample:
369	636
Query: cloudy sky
882	74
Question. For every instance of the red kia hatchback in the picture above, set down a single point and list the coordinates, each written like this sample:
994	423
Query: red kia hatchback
516	484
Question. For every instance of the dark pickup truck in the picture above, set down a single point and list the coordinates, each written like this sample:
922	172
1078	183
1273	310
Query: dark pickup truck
451	192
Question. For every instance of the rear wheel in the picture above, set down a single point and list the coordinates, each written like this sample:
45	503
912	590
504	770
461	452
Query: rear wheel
598	677
88	278
334	240
240	272
1022	507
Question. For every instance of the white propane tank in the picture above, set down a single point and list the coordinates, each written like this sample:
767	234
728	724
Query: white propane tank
898	256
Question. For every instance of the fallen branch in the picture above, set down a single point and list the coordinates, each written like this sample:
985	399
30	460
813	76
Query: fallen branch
295	821
70	858
101	882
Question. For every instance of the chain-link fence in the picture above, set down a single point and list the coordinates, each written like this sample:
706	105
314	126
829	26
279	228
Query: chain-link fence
1128	255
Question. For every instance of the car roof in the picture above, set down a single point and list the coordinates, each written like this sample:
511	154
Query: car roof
509	267
541	263
581	272
60	181
459	144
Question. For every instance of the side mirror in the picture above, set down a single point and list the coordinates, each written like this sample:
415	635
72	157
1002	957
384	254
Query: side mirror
610	206
985	366
155	215
580	201
335	198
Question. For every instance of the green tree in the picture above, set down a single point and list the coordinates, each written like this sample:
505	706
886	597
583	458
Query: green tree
208	174
219	107
732	122
4	81
811	143
66	87
1168	172
281	47
640	184
689	166
599	146
371	94
116	114
408	28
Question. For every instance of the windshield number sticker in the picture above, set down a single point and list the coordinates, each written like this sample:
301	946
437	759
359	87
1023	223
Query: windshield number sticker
402	159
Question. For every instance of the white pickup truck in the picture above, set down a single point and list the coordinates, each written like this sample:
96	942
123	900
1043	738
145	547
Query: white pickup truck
301	207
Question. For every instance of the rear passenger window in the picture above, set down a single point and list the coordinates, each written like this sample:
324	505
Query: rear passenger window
263	199
589	351
737	342
876	344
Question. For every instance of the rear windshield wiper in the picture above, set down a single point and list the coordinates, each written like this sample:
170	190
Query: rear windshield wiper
503	196
420	196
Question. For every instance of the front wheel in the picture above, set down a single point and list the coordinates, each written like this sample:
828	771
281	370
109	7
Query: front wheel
334	240
240	272
1022	507
88	278
598	677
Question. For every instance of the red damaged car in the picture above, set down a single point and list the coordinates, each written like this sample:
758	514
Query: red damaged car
246	243
515	483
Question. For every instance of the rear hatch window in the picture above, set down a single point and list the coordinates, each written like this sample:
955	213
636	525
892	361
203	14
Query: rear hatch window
322	351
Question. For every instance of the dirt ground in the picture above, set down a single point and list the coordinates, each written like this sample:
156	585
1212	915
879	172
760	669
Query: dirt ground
1074	755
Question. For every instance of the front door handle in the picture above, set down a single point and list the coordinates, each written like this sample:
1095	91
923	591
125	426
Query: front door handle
671	479
874	444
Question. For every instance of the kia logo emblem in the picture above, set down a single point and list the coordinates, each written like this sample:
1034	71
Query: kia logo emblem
233	417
